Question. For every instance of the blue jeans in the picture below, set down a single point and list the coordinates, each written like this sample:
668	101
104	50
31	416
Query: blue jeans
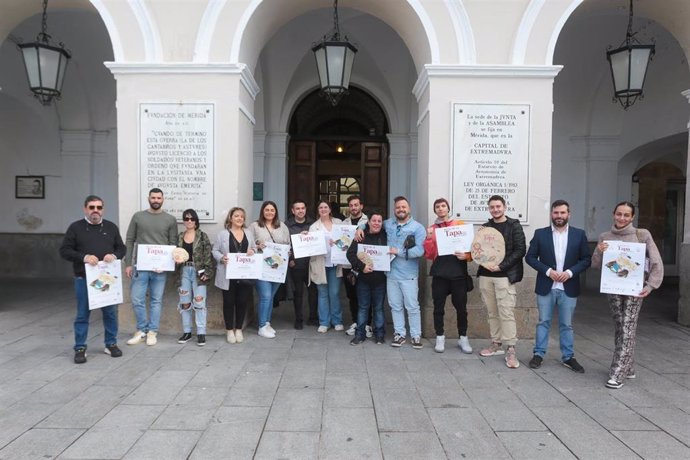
81	322
370	296
266	290
566	308
404	293
330	310
189	291
142	282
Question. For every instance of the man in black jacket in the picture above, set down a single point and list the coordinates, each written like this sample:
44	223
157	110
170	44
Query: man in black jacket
298	269
88	241
497	283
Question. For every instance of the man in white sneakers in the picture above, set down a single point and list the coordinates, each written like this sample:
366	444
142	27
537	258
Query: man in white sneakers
151	226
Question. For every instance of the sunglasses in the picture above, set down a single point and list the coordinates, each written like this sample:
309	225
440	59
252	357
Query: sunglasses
188	219
93	207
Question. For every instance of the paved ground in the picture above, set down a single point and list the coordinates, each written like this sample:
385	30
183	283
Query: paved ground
305	395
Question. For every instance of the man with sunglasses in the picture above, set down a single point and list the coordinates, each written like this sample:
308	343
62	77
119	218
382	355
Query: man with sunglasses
88	241
151	226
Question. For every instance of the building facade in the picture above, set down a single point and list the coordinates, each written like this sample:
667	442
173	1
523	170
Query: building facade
422	67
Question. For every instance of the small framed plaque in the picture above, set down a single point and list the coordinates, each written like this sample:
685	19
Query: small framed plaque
30	187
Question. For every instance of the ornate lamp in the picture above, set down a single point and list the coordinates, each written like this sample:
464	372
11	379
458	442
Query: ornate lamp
334	57
629	66
45	63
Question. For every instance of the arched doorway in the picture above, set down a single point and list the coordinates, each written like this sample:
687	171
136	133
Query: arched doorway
335	152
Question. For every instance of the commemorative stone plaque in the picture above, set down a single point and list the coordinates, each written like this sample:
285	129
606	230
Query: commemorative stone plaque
490	157
176	154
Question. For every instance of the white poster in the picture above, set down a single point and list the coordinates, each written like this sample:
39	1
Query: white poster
455	238
378	255
342	236
104	284
309	244
243	267
275	262
155	257
490	157
176	154
622	268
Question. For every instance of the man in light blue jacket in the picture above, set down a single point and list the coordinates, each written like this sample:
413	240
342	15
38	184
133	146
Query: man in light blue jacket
405	240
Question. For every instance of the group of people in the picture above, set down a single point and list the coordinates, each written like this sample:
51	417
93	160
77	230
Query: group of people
559	254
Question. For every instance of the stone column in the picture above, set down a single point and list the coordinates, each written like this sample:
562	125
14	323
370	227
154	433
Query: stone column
275	171
398	168
684	263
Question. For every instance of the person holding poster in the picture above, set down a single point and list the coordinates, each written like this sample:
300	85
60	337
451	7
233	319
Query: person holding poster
497	283
267	229
356	217
233	239
371	285
88	241
298	269
625	309
151	226
559	253
325	275
194	272
449	277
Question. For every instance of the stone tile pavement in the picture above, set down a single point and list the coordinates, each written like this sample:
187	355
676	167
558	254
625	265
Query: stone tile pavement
307	395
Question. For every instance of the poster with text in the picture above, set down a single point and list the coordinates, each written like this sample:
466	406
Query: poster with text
376	256
622	268
275	262
490	156
176	154
155	258
455	238
308	244
104	284
243	267
342	236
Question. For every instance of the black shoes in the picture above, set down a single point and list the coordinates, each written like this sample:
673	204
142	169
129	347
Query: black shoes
298	325
535	362
357	341
80	355
201	340
186	337
113	351
573	365
417	343
379	340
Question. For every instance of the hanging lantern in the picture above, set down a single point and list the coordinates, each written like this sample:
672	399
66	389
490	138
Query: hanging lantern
45	63
629	65
334	59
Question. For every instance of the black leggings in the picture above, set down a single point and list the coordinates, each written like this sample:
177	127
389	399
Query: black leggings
235	304
457	289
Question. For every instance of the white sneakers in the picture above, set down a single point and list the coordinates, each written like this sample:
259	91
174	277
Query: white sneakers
322	329
440	344
268	325
352	329
137	338
151	338
265	332
230	336
238	336
464	345
339	327
369	331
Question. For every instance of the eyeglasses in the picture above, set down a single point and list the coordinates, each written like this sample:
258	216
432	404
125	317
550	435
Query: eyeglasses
93	207
188	219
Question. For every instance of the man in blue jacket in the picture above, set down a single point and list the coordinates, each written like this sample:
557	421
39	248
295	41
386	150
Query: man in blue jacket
559	253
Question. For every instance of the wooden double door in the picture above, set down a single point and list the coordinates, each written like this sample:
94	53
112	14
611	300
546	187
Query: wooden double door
332	171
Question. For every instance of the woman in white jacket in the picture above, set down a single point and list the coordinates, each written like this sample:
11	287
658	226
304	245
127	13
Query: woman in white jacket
325	275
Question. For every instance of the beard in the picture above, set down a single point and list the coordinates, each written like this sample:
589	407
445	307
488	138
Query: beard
95	219
155	205
559	223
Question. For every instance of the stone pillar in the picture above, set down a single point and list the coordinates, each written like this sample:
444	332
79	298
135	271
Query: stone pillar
275	171
232	89
684	263
398	168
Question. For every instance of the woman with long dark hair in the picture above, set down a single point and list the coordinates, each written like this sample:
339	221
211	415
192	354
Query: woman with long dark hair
267	229
236	293
193	276
625	309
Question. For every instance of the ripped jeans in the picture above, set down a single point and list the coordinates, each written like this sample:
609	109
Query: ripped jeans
189	287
